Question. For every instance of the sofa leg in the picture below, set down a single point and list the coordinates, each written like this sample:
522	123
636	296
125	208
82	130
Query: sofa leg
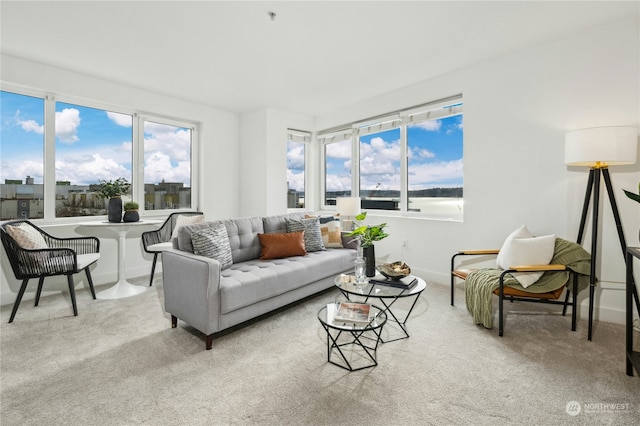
174	321
209	341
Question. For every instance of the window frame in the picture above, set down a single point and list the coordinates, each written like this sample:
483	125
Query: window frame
137	161
398	119
303	137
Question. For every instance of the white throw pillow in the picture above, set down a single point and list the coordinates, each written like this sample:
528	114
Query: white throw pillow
519	249
521	232
27	236
183	219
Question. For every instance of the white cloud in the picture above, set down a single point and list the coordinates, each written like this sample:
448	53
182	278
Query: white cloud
22	169
443	173
295	180
31	126
67	123
295	157
84	169
429	125
339	150
123	120
158	167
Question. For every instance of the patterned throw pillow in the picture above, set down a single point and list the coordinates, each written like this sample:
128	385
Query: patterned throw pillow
27	236
331	231
214	243
186	219
312	234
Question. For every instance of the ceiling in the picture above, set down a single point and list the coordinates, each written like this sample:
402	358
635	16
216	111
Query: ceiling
313	57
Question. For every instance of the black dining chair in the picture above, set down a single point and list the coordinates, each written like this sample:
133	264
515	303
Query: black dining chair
33	253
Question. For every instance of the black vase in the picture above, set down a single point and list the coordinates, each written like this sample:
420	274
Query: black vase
131	216
369	254
115	209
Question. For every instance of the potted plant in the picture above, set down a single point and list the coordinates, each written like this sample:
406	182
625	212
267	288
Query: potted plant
113	190
131	212
367	235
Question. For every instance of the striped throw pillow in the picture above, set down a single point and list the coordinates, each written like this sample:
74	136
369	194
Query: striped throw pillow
213	242
312	234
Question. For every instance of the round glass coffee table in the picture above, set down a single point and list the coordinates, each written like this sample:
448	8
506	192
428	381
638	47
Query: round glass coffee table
354	344
388	297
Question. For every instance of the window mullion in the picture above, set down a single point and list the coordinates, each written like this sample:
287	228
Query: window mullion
404	169
49	180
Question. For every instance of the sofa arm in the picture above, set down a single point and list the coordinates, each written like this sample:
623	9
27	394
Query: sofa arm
191	289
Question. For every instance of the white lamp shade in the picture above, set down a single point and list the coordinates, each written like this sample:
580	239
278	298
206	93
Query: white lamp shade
348	206
608	146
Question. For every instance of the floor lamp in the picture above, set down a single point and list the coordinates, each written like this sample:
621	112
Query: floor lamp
598	148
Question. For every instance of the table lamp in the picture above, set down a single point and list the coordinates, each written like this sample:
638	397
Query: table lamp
348	208
598	148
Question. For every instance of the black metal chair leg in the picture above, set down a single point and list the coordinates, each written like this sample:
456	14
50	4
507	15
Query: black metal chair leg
574	302
592	290
153	268
72	292
93	291
23	287
39	292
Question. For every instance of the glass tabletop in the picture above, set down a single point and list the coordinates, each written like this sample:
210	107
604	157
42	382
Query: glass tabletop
346	284
327	313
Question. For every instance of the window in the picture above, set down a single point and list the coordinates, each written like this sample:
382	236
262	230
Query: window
380	175
22	162
337	165
167	166
434	164
296	150
408	161
91	145
87	144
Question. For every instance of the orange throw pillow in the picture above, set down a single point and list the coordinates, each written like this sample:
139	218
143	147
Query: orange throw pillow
276	246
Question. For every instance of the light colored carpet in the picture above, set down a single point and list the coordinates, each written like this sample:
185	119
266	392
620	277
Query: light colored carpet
120	363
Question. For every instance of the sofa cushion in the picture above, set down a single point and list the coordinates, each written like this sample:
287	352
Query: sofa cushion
277	224
213	242
243	237
285	244
246	283
184	235
312	234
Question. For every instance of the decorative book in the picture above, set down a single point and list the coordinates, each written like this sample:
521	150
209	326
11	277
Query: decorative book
357	313
406	282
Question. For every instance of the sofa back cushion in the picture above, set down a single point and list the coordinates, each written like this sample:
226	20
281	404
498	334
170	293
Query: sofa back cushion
184	235
243	237
277	224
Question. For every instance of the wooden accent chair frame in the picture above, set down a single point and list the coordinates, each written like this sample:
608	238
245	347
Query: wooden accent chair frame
159	240
505	292
63	256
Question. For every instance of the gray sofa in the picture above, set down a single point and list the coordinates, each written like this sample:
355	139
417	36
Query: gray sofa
210	299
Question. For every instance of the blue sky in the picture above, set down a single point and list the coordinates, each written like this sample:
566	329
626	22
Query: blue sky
91	144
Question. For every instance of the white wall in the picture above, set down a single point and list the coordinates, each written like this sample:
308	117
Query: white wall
218	156
264	160
516	112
